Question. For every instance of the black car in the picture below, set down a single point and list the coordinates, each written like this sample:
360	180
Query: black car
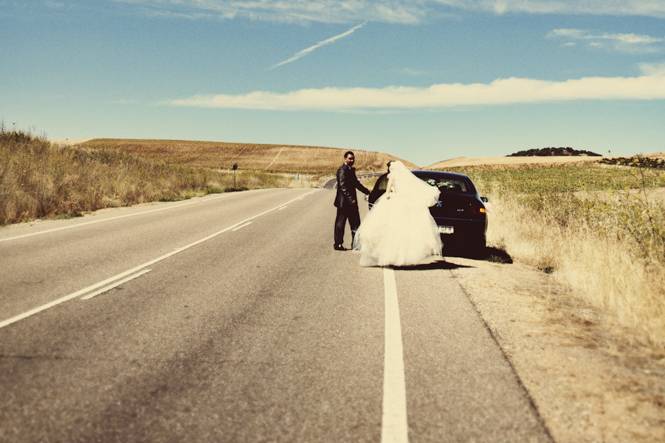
460	212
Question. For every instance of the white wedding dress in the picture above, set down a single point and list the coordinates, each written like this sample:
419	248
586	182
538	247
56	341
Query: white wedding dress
399	230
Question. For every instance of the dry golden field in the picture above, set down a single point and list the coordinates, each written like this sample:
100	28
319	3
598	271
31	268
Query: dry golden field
598	229
312	160
40	179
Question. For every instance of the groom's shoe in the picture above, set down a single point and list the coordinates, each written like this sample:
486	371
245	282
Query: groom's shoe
339	248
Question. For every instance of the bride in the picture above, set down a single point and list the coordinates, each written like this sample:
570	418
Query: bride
399	229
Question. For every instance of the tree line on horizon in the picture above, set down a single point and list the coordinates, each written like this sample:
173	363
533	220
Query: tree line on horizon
554	152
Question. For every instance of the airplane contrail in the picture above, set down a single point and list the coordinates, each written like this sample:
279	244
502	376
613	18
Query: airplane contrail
300	54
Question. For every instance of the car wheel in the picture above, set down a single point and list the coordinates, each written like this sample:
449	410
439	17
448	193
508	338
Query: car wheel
479	247
450	244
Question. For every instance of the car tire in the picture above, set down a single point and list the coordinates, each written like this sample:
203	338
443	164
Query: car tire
479	247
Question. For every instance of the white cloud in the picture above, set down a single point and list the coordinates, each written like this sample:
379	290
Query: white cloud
626	42
653	69
567	33
389	11
648	86
296	11
653	8
329	41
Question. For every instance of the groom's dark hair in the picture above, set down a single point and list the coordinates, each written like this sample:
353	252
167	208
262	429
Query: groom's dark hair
347	153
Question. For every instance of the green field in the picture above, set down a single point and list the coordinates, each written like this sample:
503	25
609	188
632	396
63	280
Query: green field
599	228
562	178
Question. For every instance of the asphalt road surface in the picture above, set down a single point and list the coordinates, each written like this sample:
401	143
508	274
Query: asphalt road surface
230	318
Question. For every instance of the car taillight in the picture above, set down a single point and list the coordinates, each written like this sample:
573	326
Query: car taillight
482	210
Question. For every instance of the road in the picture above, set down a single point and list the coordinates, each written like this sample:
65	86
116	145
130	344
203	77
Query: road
234	320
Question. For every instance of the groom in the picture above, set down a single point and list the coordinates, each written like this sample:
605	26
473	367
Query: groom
346	200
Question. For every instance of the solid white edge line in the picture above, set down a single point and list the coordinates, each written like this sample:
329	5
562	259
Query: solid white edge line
394	425
115	285
241	226
95	286
92	222
282	208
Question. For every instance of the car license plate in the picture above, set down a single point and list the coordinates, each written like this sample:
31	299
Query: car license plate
446	229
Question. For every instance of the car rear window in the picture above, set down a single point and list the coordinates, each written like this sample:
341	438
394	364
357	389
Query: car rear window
382	183
445	184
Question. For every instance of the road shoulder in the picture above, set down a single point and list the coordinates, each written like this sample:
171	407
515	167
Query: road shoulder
588	382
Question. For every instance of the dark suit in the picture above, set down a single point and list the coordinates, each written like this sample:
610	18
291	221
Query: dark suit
346	201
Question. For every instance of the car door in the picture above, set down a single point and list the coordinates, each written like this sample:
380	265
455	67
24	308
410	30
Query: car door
378	190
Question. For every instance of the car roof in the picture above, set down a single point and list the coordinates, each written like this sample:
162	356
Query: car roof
440	173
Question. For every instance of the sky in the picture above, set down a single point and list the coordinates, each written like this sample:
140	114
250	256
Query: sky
425	80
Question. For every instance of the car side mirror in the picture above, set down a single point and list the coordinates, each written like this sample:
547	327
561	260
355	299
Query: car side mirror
484	199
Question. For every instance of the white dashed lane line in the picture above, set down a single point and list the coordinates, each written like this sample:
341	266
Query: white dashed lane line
115	284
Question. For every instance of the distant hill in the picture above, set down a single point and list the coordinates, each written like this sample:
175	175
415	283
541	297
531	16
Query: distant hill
256	157
40	179
554	152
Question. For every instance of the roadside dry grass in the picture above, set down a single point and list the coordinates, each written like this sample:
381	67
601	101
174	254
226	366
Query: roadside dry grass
39	179
590	382
600	230
311	160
